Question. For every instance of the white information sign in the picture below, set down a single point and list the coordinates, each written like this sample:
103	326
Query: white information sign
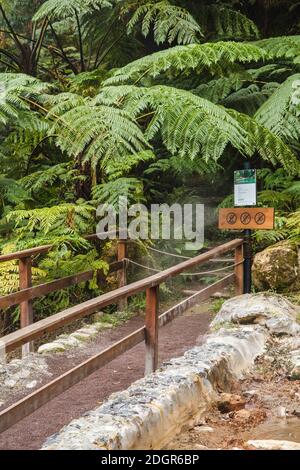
245	188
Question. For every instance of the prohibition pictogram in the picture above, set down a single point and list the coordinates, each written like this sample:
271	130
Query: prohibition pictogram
245	218
231	218
242	218
260	218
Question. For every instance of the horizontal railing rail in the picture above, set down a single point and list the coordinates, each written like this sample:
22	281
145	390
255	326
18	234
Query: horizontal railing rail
148	333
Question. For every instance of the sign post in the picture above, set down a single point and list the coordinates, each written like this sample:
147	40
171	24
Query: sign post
243	217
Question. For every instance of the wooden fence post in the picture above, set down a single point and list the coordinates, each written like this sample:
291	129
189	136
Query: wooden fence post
239	270
122	275
26	313
151	339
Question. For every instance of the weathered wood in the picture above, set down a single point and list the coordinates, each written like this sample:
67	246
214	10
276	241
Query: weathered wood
122	275
42	249
29	333
26	312
32	402
151	323
239	270
242	218
38	291
197	297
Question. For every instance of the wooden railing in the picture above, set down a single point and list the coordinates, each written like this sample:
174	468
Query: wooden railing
148	333
26	293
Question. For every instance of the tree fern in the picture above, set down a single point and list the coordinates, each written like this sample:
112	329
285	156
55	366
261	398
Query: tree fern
66	8
110	192
222	22
280	113
57	220
170	23
191	126
61	174
199	57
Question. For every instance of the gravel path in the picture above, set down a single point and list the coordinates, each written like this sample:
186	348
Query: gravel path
175	338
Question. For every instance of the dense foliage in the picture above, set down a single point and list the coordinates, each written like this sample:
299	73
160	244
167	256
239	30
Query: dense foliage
101	98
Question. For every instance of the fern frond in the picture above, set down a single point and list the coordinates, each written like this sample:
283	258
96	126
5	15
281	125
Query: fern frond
57	220
225	23
170	23
110	192
188	58
281	111
66	8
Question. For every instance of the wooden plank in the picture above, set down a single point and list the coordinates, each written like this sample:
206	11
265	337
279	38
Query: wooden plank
16	339
122	277
151	338
40	397
239	270
38	291
25	253
41	249
26	312
203	294
241	218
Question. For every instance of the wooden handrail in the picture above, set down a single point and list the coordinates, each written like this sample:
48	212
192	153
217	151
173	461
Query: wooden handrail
30	293
148	333
31	332
39	249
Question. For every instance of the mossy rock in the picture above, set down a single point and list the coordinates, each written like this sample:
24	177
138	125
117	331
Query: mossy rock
276	268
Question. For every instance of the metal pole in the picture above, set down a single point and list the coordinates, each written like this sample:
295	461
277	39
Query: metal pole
247	252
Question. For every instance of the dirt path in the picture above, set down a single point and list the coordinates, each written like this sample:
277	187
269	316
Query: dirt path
175	338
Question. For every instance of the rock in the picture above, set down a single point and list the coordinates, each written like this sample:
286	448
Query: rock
1	403
200	429
50	348
294	365
272	444
80	336
10	383
276	267
31	384
23	374
88	330
68	342
229	402
280	412
250	394
102	326
251	415
272	311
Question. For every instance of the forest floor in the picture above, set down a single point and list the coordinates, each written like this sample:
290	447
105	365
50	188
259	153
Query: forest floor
175	338
271	410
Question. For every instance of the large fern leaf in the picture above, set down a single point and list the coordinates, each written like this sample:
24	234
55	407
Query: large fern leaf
281	112
169	23
188	58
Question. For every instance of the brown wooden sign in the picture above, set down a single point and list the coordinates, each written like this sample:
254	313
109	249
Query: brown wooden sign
246	218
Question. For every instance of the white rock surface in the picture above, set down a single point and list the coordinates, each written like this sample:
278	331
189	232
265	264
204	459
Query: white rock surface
50	348
157	406
272	311
20	374
271	444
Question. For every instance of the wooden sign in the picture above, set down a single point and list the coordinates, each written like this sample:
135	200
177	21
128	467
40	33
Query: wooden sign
243	218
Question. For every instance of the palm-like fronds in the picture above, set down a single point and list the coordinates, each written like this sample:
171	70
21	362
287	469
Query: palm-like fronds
199	57
169	23
281	111
66	8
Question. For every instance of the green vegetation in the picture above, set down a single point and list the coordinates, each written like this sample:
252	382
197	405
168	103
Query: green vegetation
149	99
